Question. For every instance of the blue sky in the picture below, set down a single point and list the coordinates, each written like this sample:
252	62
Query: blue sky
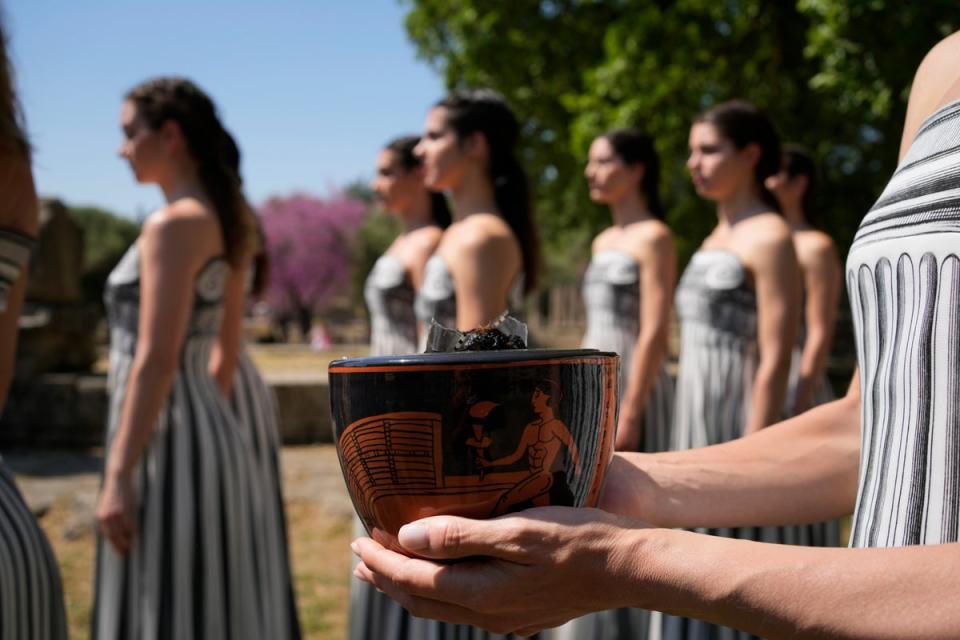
311	90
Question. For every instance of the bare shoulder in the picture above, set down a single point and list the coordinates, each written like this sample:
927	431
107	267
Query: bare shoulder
417	246
602	240
650	234
478	233
765	230
426	239
814	244
182	229
936	81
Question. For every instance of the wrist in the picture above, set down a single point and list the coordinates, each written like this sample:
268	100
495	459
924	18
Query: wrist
633	562
117	470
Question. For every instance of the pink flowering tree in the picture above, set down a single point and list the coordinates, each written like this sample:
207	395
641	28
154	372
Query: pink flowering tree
310	242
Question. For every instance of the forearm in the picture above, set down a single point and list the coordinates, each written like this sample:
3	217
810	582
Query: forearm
223	366
647	360
803	470
769	393
148	388
648	357
778	591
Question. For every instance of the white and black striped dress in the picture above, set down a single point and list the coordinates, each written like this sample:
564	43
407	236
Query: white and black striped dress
31	595
193	569
611	296
255	408
903	277
393	331
437	299
718	362
390	297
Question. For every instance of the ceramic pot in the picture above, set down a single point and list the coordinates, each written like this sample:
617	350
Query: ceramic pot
476	434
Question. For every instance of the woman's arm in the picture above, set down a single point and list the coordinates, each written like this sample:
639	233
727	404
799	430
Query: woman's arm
776	279
801	470
822	281
658	274
538	561
169	250
226	350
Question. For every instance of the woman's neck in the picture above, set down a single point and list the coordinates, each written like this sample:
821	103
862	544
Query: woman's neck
741	204
474	194
419	214
629	209
182	183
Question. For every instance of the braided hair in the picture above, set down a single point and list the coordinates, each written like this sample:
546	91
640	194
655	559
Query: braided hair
163	99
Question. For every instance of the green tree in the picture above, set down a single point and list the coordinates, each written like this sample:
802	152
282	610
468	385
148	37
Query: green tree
107	236
833	74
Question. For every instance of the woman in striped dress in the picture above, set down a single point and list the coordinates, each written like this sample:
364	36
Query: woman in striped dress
31	596
738	304
178	555
389	293
628	286
795	188
488	258
890	447
255	408
627	294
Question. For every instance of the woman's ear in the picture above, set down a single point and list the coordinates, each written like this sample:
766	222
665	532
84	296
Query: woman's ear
475	145
752	153
172	134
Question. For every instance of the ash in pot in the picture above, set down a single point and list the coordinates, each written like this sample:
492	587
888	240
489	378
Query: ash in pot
506	332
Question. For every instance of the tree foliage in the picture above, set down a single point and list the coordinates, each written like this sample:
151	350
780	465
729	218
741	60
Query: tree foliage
833	74
106	238
310	243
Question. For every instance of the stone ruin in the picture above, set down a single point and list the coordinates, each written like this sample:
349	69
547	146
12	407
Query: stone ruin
54	397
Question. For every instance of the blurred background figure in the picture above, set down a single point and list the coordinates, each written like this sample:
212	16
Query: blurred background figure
389	291
628	287
795	187
255	408
178	511
628	295
487	258
739	306
393	283
31	596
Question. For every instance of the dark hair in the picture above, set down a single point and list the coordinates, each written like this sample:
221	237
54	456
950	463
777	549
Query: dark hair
743	123
261	259
159	100
486	112
797	161
12	135
403	147
635	147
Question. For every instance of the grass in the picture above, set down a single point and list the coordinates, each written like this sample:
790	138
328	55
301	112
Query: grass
320	555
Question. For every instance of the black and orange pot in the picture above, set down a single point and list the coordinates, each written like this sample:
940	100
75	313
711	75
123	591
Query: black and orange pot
476	434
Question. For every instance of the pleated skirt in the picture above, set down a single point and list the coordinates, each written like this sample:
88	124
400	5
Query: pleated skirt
193	569
255	408
31	595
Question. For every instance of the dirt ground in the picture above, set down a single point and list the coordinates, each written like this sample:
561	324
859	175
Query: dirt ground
62	488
